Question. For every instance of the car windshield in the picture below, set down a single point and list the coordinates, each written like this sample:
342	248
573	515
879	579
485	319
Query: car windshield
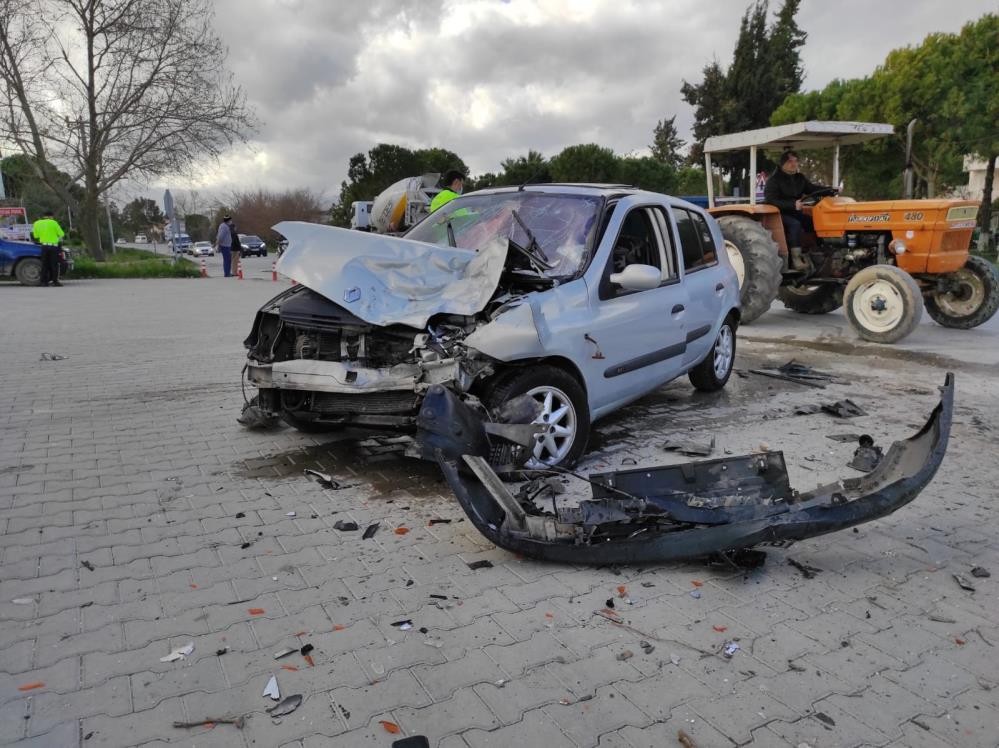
562	225
250	238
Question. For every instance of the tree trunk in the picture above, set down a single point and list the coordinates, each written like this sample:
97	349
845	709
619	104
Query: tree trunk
985	212
90	226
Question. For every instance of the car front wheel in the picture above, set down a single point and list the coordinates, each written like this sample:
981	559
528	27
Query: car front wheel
713	372
562	408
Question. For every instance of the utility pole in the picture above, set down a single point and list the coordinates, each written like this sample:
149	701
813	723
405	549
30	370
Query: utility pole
107	205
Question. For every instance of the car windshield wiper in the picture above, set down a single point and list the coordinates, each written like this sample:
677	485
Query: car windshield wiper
450	234
533	249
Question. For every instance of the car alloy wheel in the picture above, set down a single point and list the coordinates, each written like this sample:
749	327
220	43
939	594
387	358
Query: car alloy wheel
724	351
559	415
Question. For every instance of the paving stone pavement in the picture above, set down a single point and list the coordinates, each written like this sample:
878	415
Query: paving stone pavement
136	517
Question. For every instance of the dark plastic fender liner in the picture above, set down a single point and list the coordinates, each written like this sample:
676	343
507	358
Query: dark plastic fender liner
905	471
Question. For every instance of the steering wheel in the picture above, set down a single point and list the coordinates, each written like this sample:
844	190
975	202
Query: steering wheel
814	197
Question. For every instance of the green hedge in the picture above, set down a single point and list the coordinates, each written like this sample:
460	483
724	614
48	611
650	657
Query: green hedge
123	267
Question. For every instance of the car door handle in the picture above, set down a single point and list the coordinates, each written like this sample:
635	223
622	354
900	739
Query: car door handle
719	287
677	309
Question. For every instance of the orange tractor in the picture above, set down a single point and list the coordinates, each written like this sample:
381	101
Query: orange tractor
881	260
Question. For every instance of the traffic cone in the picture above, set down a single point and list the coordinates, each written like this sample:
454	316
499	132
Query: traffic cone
204	268
274	271
239	270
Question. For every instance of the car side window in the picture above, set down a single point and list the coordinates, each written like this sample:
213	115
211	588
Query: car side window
696	241
671	270
637	243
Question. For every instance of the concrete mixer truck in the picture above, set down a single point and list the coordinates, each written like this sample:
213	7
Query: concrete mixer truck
396	208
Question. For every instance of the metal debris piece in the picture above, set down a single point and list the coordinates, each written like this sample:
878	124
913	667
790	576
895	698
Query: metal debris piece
289	514
439	521
825	718
696	594
271	689
222	651
484	563
981	572
344	526
843	409
675	659
180	653
324	480
238	722
786	378
686	446
843	437
284	653
370	531
963	583
647	647
867	456
408	624
306	649
23	600
254	418
87	565
413	741
286	707
808	572
52	357
730	649
807	410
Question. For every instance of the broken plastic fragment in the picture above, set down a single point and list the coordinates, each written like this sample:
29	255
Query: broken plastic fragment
271	689
343	526
323	479
482	564
981	572
413	741
696	594
843	409
31	686
370	531
647	647
405	625
23	600
284	653
730	649
390	727
963	583
179	653
289	514
256	611
690	447
401	530
286	707
625	655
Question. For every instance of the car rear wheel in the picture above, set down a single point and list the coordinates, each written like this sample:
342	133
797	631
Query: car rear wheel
972	299
29	271
883	303
713	372
563	409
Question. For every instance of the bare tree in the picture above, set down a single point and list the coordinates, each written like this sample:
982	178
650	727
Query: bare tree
256	211
112	89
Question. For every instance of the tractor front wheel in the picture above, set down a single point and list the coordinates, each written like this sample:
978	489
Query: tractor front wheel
883	303
756	259
972	298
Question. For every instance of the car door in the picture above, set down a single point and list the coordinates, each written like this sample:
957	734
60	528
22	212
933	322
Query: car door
705	286
638	337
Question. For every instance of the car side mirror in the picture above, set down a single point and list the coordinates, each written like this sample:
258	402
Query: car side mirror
637	278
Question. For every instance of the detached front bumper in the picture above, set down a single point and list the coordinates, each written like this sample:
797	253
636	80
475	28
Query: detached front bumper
679	511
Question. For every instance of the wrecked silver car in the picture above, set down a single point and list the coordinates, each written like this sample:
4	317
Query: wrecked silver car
583	298
675	512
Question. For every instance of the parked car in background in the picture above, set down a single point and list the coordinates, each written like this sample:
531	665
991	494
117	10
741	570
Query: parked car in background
581	297
202	249
181	243
23	260
141	239
252	245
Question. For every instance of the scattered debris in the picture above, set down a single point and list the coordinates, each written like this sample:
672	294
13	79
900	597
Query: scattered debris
625	655
238	722
438	521
414	741
401	530
437	597
370	531
648	584
240	515
685	740
981	572
610	603
787	378
696	594
253	417
808	572
256	611
405	625
843	409
286	707
675	659
31	686
284	653
87	565
807	410
730	649
795	667
940	619
843	437
52	357
180	653
647	647
963	583
289	514
23	600
306	649
390	727
867	456
271	689
344	526
746	558
687	446
323	479
220	652
484	563
825	719
720	629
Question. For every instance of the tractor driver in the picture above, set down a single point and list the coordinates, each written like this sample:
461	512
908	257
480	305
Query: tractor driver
784	190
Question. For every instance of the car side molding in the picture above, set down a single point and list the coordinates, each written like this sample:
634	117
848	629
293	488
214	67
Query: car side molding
673	512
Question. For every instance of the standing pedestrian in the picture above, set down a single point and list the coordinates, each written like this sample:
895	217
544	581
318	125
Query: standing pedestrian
237	247
223	243
47	232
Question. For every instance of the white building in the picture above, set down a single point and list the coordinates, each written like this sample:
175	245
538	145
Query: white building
976	179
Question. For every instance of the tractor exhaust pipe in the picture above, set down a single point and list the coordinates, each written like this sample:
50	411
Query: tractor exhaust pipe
908	179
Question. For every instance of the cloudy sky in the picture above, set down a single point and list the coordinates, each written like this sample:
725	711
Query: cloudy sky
492	78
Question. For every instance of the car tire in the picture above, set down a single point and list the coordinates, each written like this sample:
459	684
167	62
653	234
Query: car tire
756	258
560	395
883	303
29	271
713	372
977	301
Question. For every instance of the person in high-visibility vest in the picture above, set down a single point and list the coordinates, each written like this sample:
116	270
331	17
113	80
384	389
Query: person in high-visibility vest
455	182
47	232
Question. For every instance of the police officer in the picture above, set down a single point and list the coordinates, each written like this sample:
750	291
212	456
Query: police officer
47	232
455	182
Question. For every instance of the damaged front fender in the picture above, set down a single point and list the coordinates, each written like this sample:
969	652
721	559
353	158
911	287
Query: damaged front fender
680	511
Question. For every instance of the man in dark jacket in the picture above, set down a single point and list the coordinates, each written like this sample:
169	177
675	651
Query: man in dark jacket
785	188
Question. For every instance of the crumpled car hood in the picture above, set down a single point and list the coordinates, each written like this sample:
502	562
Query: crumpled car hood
387	280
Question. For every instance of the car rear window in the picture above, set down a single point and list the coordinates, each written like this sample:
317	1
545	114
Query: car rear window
695	240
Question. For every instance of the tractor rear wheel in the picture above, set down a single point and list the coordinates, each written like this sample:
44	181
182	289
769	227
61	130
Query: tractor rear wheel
883	303
756	259
973	301
811	299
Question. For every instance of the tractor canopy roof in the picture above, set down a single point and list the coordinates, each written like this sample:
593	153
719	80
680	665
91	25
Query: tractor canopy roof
800	135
